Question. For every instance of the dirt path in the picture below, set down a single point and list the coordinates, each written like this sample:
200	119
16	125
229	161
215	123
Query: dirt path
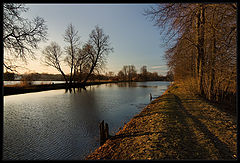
176	125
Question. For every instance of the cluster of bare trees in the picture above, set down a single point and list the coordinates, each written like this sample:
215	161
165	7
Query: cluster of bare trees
82	61
129	73
202	45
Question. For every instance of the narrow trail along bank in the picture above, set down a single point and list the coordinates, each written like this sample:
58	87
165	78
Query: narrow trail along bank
176	125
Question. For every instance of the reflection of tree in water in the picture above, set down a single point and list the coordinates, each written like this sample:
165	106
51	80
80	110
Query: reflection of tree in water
148	86
85	111
134	84
127	84
97	85
92	87
75	90
109	85
120	84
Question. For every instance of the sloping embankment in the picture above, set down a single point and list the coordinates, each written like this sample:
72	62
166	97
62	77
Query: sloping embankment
177	125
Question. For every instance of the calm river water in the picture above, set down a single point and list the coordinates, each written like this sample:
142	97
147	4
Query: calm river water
58	125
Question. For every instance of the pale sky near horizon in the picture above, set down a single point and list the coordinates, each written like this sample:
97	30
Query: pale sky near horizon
134	38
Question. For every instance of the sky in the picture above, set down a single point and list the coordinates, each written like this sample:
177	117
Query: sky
136	41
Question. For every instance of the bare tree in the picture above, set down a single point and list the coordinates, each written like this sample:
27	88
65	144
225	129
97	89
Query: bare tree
121	76
83	62
20	35
72	38
125	72
128	72
52	56
143	72
131	72
98	48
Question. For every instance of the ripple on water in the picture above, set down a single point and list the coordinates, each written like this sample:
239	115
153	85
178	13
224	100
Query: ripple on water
60	126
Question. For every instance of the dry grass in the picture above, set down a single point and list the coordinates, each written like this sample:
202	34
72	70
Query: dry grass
175	126
24	84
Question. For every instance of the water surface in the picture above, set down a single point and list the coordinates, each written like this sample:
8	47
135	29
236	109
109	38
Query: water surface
59	125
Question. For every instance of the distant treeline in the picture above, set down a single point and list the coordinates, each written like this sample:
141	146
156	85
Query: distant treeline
9	76
128	73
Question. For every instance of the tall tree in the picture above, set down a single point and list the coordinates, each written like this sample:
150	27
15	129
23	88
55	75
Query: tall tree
143	72
98	48
20	35
121	76
72	39
131	72
125	72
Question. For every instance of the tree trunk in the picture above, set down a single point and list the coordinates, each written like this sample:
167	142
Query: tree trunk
200	58
72	64
90	72
197	54
64	76
212	70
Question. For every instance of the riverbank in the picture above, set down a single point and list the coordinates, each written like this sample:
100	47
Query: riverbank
10	90
177	125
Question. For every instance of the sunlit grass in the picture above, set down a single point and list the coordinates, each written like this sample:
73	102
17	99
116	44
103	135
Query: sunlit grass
178	125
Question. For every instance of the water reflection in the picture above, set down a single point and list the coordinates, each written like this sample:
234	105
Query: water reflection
127	84
61	125
84	108
110	85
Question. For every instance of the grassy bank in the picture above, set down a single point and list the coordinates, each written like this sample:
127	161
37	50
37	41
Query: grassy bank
178	125
12	90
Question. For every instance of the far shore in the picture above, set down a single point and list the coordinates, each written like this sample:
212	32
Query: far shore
13	90
10	90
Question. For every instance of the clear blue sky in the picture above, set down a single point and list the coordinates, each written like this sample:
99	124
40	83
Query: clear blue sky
134	38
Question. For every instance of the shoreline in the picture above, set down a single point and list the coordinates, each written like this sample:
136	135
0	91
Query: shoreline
175	126
9	90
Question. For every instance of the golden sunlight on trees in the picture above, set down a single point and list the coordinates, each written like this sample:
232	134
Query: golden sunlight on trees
20	35
202	45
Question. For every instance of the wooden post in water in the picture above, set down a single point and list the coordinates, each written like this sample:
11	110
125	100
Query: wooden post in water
102	137
150	97
104	132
